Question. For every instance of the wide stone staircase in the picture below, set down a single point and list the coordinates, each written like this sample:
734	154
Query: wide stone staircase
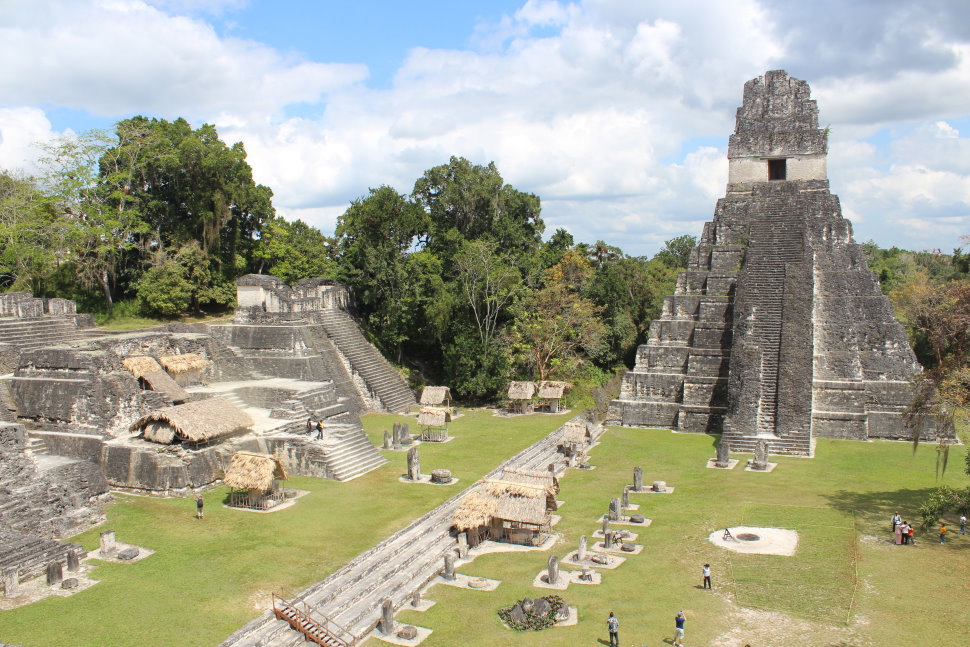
380	377
395	568
345	451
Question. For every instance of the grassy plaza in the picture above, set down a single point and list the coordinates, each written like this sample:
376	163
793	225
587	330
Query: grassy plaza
845	585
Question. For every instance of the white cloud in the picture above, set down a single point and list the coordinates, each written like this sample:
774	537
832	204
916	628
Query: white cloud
20	129
604	108
125	56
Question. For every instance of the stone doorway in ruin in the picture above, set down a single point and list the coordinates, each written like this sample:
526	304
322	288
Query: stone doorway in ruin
777	169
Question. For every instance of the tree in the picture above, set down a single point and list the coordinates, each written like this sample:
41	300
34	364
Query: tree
33	236
676	251
489	282
164	289
101	227
294	251
373	237
465	201
556	327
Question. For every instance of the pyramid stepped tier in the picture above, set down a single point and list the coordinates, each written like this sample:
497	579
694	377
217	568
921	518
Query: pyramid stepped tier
45	331
777	331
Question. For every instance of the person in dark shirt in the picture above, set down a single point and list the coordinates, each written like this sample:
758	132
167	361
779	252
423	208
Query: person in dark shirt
198	506
679	629
613	625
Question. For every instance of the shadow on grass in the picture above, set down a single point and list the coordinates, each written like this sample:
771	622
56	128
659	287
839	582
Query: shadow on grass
876	505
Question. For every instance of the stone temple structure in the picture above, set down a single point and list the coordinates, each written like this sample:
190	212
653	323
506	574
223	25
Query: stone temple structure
778	330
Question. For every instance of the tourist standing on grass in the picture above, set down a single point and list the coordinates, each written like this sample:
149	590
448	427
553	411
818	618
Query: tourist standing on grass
896	519
898	531
679	629
943	533
912	540
963	524
904	531
613	625
198	506
706	572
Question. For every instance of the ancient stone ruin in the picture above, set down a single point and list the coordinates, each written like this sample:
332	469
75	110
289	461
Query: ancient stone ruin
778	330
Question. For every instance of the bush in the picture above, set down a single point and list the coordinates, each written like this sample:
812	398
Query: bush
164	290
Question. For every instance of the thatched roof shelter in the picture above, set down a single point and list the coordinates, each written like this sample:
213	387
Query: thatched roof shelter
148	370
553	390
474	510
521	390
433	417
503	489
252	471
436	396
199	421
530	477
575	432
184	363
141	365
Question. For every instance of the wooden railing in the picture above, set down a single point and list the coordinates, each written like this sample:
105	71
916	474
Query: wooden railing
314	626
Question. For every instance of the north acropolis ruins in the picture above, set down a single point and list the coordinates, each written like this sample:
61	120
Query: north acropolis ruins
778	330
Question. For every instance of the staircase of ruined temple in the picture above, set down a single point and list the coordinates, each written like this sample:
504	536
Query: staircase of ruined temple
41	332
365	360
775	242
315	337
346	452
30	554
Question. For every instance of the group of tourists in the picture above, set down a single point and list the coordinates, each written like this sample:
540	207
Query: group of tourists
310	427
902	531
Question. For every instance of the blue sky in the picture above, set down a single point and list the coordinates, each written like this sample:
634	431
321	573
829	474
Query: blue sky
615	113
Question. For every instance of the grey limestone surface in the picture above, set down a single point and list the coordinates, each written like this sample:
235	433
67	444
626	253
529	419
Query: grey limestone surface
777	329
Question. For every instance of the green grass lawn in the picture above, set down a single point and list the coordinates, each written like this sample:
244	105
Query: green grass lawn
845	585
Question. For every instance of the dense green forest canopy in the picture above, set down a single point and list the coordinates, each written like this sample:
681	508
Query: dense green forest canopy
453	281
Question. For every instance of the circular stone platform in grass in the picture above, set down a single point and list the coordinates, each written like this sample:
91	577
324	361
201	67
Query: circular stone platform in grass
761	541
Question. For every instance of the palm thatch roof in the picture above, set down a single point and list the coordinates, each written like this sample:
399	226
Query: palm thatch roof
184	363
251	471
141	365
198	421
523	509
530	477
521	390
474	510
147	369
575	432
503	489
435	396
552	390
432	417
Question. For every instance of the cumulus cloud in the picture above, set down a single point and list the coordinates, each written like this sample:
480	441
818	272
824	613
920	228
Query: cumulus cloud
20	129
604	108
125	56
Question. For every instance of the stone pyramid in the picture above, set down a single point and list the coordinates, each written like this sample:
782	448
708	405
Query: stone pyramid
778	330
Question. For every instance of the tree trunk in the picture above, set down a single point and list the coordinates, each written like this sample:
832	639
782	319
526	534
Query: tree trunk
107	291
